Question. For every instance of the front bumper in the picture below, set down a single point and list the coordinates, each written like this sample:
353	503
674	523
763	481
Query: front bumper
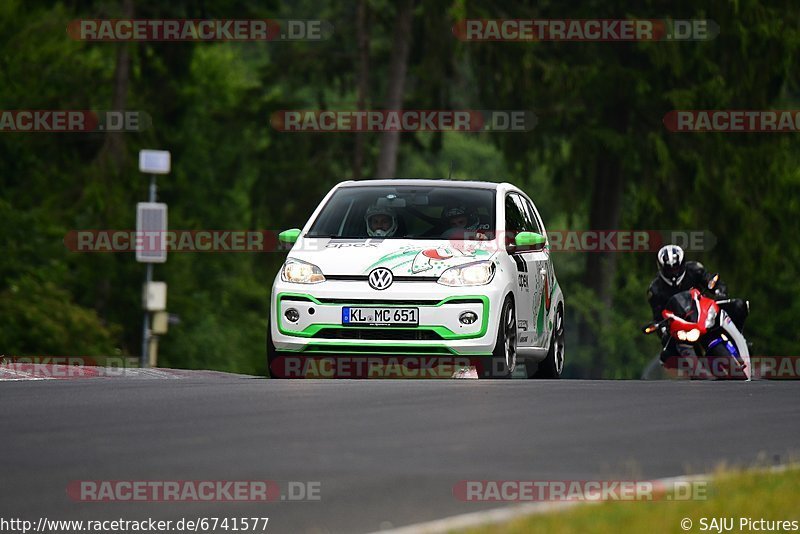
319	328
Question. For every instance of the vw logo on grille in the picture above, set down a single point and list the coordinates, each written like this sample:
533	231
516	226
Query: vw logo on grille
380	278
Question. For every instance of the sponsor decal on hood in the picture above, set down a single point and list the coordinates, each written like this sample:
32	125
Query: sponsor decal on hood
404	257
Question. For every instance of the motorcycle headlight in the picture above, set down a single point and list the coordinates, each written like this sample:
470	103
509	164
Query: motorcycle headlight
693	335
712	318
300	272
472	274
681	335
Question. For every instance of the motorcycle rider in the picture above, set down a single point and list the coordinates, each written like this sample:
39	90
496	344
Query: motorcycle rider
675	274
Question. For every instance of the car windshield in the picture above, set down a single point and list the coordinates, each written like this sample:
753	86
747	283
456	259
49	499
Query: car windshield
407	212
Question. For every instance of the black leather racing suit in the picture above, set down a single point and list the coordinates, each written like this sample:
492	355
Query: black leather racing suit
696	276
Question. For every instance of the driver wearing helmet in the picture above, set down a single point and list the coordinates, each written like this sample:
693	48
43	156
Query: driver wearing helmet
381	221
462	221
675	274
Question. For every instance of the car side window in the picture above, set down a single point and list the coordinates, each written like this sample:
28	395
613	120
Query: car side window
520	217
531	221
515	220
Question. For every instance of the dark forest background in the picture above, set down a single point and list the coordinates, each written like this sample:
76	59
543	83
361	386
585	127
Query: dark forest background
599	158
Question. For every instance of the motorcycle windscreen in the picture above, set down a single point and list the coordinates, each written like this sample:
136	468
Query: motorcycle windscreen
682	305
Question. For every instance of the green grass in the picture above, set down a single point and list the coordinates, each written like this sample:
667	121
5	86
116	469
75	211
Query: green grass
750	494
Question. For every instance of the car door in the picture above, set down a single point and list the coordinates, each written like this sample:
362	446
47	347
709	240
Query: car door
541	276
516	222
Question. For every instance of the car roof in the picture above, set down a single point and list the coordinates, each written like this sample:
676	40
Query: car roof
423	182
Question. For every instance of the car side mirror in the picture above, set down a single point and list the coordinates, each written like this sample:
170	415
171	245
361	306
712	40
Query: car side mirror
289	236
530	240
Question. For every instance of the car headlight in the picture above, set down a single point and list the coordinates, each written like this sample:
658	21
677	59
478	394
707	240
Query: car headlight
712	317
472	274
300	272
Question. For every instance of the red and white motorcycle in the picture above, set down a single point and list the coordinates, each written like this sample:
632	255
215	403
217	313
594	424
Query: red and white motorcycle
707	341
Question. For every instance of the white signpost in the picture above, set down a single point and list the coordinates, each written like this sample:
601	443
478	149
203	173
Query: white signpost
151	228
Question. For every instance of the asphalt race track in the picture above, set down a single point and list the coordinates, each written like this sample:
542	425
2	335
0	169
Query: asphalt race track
386	452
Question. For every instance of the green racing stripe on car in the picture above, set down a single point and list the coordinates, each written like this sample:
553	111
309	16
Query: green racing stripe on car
391	256
416	250
549	319
301	295
540	316
442	331
404	263
542	311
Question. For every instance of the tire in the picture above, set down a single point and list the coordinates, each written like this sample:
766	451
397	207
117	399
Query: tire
729	366
503	360
553	364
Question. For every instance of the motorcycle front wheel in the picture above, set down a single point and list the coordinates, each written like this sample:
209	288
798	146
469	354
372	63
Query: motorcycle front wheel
723	364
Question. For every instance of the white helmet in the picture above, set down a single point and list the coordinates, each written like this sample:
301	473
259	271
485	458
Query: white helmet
377	210
671	264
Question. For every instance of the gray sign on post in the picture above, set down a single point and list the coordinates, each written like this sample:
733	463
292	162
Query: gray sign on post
155	161
151	232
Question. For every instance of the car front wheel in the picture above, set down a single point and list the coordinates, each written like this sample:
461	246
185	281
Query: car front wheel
504	357
553	364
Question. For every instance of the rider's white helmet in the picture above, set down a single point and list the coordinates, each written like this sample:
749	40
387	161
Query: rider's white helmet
671	264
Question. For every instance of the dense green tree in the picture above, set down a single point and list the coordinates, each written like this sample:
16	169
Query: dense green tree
599	157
